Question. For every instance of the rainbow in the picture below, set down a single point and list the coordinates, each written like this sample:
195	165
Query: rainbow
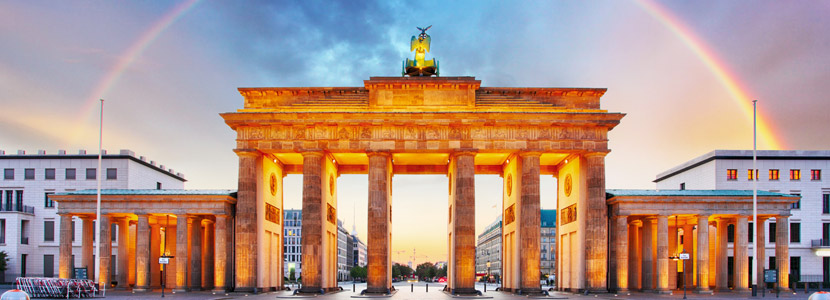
106	83
767	139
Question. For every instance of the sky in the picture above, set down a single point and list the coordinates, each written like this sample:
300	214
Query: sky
683	72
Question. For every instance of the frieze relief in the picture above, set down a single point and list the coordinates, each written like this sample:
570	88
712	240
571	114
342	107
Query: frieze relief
418	133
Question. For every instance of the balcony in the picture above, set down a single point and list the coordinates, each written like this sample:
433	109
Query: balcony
820	243
19	208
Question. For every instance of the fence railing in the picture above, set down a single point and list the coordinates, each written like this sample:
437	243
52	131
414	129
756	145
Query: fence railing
19	208
820	243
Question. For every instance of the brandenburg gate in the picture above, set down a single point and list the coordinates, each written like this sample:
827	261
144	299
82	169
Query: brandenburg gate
422	125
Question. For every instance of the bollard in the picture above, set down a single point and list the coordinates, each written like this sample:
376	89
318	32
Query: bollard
352	287
411	287
427	287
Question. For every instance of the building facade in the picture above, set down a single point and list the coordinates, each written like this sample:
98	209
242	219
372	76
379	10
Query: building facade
29	223
790	172
343	264
293	247
359	248
489	246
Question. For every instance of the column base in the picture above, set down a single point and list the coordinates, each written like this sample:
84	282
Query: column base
244	290
179	290
663	291
620	291
219	290
141	289
706	291
722	290
464	291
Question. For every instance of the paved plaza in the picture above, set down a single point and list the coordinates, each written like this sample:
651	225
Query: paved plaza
418	290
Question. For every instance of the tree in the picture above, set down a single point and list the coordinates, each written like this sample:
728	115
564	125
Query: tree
396	270
4	260
442	272
291	274
358	272
422	270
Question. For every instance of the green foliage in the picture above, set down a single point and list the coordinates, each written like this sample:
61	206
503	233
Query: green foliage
291	274
4	261
396	270
425	269
442	272
358	272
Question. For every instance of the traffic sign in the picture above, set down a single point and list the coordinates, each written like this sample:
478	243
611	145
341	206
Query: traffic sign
684	256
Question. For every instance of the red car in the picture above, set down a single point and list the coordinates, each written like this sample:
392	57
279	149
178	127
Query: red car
442	279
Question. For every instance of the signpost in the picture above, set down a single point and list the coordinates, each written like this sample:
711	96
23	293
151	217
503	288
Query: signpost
771	276
163	260
684	257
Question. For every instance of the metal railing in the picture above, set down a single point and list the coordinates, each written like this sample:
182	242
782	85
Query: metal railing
820	243
19	208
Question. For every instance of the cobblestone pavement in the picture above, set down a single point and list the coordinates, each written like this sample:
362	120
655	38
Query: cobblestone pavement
418	291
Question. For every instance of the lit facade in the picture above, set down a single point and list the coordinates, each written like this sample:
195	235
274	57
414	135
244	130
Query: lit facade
293	249
801	173
489	246
29	222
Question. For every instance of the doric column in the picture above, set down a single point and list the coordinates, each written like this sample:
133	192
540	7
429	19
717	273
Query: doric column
529	218
688	247
647	251
65	259
155	251
741	258
702	254
208	255
379	244
596	231
142	254
662	254
674	249
87	245
634	261
313	218
620	243
463	227
123	255
246	222
221	263
721	261
760	261
782	252
195	253
105	253
171	238
181	253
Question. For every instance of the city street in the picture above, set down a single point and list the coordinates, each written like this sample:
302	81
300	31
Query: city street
418	290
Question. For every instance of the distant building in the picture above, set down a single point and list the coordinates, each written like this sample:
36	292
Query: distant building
548	245
359	249
488	249
293	249
489	246
343	264
789	172
29	224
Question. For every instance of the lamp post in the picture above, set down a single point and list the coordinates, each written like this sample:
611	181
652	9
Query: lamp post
488	276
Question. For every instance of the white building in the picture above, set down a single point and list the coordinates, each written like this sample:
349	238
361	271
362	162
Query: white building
293	248
489	246
28	219
359	249
790	172
344	267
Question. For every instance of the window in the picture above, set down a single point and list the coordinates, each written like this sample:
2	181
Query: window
73	230
795	232
2	231
772	233
730	233
48	202
90	174
48	231
48	265
815	174
751	233
158	185
750	175
8	174
682	186
732	174
797	204
113	233
70	174
9	205
825	204
773	174
28	174
49	174
24	232
795	174
112	174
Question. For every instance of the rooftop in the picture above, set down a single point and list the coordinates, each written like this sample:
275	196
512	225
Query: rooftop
745	154
610	193
82	154
150	192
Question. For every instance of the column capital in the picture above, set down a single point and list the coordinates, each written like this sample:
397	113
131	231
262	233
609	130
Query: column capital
383	153
530	153
464	152
312	152
782	217
246	152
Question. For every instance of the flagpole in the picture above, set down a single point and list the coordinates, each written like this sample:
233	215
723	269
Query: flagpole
98	205
756	280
